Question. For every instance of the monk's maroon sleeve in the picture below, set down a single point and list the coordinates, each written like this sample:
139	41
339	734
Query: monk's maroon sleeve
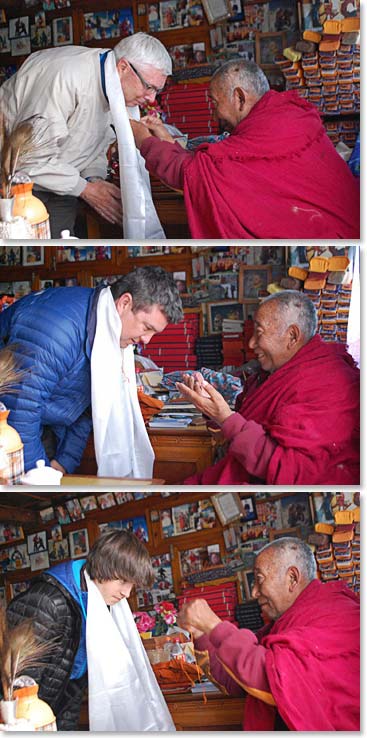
166	161
249	443
237	660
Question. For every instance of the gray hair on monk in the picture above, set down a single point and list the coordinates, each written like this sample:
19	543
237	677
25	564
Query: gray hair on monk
293	551
296	307
140	48
241	73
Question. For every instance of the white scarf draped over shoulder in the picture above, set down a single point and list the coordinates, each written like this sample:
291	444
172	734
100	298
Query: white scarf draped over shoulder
140	219
121	442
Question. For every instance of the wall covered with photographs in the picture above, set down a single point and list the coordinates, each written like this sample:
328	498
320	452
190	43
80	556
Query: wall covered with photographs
195	539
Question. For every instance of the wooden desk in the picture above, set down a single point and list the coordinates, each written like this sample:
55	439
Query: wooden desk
191	712
178	454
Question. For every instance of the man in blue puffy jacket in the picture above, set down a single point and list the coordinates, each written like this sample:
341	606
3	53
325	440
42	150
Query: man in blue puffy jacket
53	332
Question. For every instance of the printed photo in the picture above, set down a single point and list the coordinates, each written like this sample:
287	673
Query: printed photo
39	560
10	532
62	31
19	27
18	587
10	255
20	46
33	255
74	509
154	21
4	41
37	542
58	550
166	523
62	515
79	544
56	532
18	557
122	497
249	508
88	503
47	514
106	500
138	526
295	510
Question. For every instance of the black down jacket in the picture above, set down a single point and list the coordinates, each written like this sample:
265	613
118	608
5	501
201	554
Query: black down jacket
55	615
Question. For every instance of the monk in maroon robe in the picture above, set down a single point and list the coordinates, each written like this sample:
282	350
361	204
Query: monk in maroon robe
297	422
276	176
301	671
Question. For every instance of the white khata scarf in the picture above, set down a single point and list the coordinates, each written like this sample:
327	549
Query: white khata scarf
121	441
123	693
140	220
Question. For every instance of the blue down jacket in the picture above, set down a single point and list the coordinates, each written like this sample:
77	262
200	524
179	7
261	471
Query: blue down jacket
52	332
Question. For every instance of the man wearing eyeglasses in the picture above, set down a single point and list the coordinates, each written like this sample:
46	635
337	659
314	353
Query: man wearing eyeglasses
81	99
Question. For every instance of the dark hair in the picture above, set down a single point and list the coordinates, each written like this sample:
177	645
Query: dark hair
118	554
301	551
296	307
151	286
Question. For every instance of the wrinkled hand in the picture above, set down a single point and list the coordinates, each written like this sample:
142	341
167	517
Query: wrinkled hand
105	199
197	617
157	128
214	406
140	132
196	382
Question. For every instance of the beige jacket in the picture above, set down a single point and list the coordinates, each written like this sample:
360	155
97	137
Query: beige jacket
63	85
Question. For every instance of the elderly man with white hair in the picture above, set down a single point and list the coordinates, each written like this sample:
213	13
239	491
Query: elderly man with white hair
79	95
297	422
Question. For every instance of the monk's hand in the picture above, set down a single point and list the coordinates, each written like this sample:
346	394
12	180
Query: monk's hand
195	382
157	128
214	406
140	131
105	199
197	617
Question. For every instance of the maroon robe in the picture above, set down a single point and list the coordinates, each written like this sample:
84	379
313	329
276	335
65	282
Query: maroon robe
304	420
307	661
276	176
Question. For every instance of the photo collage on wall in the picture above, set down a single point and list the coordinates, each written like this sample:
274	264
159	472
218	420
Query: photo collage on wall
187	518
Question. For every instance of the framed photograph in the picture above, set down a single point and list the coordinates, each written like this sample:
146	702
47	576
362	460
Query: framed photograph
4	41
45	284
18	557
20	46
62	31
169	14
59	4
228	506
47	514
39	560
37	542
78	542
106	500
58	550
10	255
283	533
154	21
142	9
10	533
62	515
230	538
138	526
322	507
18	587
19	27
166	523
236	12
48	4
249	508
21	288
122	497
56	532
269	45
88	503
74	509
252	281
216	10
295	510
33	255
217	311
282	15
248	579
40	37
216	40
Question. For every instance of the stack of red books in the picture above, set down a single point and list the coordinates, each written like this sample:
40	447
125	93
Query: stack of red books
222	598
189	108
174	348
